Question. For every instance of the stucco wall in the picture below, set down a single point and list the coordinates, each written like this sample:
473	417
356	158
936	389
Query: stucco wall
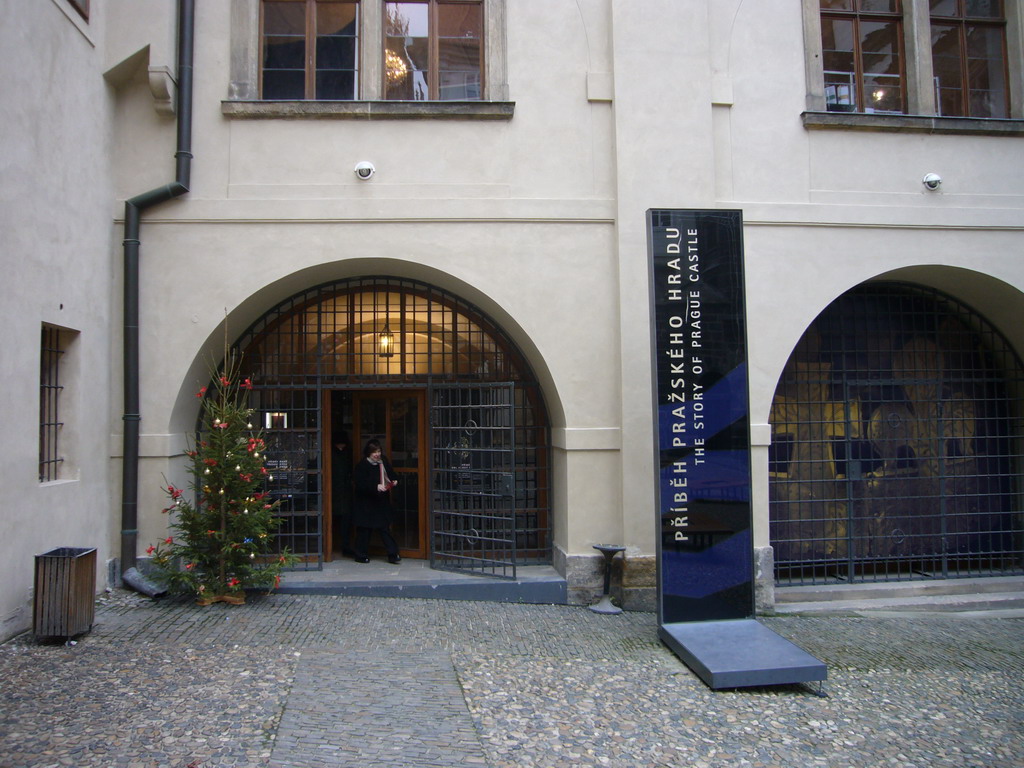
515	216
539	220
707	114
56	257
620	106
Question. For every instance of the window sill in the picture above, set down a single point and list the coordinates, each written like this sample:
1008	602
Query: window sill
368	110
845	121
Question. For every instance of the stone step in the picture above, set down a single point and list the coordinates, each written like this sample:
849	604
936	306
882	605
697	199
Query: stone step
1002	604
1001	596
414	578
892	590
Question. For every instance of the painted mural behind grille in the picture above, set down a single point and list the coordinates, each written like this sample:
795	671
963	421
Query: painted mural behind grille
896	444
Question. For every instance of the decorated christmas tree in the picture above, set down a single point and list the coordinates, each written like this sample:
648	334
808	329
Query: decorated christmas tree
222	542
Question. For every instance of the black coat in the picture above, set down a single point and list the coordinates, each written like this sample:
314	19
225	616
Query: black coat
370	507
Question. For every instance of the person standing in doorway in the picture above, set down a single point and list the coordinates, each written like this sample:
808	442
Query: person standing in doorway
373	480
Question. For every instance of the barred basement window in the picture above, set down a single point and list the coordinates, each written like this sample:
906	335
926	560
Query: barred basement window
50	425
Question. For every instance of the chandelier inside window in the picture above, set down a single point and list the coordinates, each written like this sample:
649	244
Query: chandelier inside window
395	66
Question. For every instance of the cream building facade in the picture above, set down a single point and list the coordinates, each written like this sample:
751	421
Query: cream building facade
516	214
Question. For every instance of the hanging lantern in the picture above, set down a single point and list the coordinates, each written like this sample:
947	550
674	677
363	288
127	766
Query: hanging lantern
386	344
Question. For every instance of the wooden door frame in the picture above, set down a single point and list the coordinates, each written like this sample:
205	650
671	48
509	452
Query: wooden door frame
422	467
326	477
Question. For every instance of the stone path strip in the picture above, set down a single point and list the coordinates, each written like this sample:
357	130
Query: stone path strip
351	708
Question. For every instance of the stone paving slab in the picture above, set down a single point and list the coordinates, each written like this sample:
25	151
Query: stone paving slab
292	681
374	708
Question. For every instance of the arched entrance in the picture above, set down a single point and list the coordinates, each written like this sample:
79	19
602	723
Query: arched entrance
897	442
445	391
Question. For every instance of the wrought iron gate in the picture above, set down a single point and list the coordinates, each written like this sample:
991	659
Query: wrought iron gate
329	338
473	514
290	420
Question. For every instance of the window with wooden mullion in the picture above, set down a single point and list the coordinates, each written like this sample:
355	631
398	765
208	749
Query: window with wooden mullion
433	50
309	50
460	51
862	47
969	58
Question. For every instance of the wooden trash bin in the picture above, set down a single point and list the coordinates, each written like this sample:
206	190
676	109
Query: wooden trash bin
65	592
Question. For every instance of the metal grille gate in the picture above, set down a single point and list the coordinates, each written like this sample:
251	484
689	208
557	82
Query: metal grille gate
897	443
473	514
291	429
328	339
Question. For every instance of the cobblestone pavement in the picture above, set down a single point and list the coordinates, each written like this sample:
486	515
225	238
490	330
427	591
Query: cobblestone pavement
292	681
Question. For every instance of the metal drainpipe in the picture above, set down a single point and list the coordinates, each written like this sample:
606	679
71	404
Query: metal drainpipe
132	211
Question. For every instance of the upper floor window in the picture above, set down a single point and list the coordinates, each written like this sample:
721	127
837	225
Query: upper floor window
862	53
415	50
309	49
915	58
969	58
433	50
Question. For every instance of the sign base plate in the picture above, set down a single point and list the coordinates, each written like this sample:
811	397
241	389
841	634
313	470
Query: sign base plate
740	653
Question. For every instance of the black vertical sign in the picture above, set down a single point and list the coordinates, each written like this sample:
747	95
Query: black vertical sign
705	550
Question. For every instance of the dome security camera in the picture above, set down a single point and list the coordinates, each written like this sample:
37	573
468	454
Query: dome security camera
931	181
364	170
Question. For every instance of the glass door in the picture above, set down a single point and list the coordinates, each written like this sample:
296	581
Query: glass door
395	420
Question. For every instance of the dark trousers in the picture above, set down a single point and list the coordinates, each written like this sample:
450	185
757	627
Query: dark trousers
363	541
343	533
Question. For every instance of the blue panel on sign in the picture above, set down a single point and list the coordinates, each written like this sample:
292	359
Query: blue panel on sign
705	571
721	406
